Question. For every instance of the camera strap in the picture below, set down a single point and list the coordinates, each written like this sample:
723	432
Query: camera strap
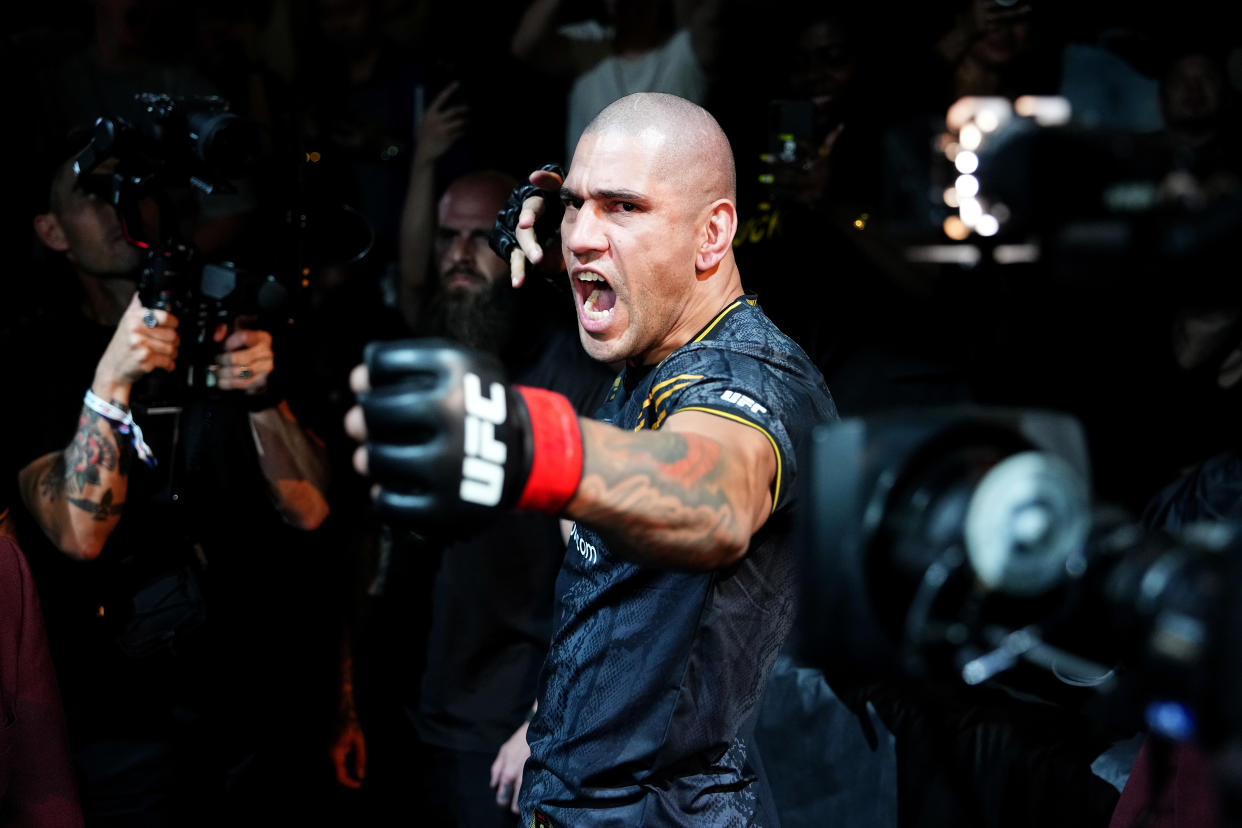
123	420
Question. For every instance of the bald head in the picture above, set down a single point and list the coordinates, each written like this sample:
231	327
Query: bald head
695	152
487	186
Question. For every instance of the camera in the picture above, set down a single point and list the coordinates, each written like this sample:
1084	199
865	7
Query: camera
962	551
197	139
204	295
178	147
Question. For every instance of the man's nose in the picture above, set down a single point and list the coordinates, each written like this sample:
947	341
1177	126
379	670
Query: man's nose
583	231
461	249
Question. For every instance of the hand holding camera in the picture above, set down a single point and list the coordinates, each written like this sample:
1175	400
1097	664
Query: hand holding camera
245	362
145	340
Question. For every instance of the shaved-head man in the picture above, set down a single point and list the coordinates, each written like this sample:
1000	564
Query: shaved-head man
677	587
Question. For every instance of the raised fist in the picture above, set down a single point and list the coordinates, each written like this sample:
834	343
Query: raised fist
446	437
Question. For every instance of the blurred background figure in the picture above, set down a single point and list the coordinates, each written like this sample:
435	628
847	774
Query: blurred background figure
134	46
633	46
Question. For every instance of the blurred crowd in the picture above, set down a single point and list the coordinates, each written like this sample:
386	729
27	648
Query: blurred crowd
240	640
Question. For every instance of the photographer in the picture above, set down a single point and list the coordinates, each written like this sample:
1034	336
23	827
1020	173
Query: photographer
141	518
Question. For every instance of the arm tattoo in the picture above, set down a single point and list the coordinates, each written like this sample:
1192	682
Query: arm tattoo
659	493
103	510
94	447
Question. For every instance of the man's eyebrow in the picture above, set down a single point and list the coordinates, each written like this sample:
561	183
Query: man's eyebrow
622	195
607	195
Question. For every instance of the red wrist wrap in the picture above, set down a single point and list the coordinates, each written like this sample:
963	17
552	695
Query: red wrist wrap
556	456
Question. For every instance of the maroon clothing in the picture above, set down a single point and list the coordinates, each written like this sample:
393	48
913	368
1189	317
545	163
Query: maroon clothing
1188	798
37	787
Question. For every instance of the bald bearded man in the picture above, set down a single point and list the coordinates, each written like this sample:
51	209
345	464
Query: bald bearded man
677	587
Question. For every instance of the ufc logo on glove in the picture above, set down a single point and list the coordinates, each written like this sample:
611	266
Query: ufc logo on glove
482	467
442	450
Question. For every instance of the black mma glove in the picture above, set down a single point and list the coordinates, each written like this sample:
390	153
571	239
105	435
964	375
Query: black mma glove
503	237
447	437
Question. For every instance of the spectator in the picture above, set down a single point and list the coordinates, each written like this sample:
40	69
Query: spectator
37	787
647	46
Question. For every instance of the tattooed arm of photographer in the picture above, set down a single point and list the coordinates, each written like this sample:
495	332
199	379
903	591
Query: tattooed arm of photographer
77	494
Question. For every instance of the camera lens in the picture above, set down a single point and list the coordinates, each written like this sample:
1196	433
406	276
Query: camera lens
220	139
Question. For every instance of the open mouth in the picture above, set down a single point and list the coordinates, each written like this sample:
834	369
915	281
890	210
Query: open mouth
595	296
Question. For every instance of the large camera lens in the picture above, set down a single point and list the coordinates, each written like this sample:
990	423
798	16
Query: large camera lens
220	139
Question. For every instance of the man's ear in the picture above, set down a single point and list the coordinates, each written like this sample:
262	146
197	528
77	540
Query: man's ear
717	241
47	228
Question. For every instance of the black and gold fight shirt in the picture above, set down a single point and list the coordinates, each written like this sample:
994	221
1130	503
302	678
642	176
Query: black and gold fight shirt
652	672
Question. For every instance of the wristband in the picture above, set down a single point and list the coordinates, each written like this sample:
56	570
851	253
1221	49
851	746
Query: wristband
556	451
123	420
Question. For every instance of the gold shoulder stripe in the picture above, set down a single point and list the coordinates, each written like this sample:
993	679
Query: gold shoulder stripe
776	488
656	405
716	321
660	385
685	378
670	391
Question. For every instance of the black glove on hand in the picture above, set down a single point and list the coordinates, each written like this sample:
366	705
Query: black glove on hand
447	437
503	237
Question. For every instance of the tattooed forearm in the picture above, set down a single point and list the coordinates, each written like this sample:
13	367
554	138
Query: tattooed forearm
660	495
52	484
93	452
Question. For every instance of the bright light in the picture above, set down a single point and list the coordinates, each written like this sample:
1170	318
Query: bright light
988	112
987	120
1015	253
1047	110
970	211
966	162
987	225
967	186
950	197
971	137
955	229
